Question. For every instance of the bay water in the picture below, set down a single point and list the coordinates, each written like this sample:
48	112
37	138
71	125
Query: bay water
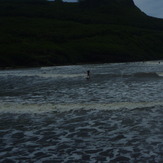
55	114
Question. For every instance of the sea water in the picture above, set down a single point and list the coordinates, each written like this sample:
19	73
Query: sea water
55	114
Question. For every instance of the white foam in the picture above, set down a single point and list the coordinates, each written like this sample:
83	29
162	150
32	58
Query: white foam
43	75
160	74
154	62
45	108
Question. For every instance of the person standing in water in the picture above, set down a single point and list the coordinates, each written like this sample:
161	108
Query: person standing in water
88	75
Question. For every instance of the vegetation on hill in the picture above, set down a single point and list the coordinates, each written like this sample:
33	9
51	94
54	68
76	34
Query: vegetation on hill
41	33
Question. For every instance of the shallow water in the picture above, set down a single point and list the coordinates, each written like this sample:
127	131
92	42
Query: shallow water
53	114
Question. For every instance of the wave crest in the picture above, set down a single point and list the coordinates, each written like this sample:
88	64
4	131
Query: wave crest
145	75
45	108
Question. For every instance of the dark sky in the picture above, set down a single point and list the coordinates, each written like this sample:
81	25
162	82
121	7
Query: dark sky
150	7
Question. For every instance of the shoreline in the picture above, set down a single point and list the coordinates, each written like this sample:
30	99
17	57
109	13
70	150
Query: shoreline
89	63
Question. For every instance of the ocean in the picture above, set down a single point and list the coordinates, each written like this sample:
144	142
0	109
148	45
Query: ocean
54	114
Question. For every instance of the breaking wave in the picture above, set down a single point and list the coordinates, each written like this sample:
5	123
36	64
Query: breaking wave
146	75
43	108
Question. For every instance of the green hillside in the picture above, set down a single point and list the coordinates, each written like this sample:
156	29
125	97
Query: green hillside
41	33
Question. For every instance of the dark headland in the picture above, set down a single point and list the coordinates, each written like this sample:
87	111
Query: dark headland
45	33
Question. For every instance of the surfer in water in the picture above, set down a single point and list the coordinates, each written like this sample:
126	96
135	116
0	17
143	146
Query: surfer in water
88	75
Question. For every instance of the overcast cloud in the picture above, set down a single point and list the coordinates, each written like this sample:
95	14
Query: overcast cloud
150	7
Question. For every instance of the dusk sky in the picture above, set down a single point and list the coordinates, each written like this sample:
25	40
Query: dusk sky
150	7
